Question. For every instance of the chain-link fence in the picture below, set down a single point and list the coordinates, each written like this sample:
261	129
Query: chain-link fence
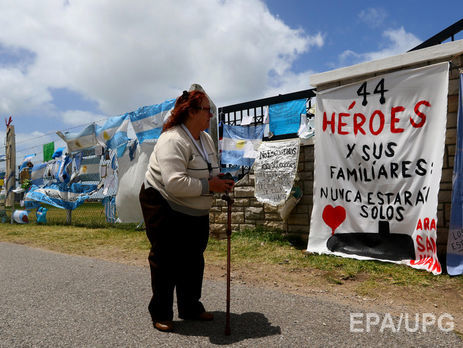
92	214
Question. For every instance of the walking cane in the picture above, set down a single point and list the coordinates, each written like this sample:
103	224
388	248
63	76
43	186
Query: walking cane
229	201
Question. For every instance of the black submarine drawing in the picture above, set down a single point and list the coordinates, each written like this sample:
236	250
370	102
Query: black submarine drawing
381	245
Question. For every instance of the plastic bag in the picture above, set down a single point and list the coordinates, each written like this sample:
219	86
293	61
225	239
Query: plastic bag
41	215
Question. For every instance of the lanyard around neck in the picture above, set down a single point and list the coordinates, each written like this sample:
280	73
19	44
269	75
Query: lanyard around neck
202	151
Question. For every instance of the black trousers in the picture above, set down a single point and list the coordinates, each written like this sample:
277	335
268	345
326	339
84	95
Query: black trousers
176	257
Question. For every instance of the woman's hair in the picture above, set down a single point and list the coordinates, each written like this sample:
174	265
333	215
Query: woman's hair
187	101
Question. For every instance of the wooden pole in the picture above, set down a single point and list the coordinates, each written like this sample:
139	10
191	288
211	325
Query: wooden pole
10	173
68	216
229	201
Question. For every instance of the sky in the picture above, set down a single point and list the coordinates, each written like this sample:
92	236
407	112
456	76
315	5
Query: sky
67	63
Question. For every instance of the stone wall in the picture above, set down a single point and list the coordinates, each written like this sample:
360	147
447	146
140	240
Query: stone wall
248	213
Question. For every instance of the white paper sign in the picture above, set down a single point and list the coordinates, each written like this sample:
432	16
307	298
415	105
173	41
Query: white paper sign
379	146
275	169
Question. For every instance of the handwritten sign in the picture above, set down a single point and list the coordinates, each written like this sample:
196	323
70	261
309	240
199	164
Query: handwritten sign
275	169
379	146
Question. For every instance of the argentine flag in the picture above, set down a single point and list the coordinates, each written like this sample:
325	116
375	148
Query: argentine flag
238	144
147	121
58	195
37	173
113	134
78	141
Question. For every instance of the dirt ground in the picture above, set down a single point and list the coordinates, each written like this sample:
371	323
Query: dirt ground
389	299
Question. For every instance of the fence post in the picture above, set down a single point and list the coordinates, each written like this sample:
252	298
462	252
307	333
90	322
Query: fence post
68	216
10	175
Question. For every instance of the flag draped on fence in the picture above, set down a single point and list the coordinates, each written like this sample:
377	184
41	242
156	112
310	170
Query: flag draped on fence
58	195
379	149
90	168
455	238
37	173
284	118
147	121
238	144
79	141
113	134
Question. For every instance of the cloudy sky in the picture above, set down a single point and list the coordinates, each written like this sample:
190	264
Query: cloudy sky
66	63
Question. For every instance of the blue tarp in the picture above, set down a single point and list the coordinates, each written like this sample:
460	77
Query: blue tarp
455	238
285	118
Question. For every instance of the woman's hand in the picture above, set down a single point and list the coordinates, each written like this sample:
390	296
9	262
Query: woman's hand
220	185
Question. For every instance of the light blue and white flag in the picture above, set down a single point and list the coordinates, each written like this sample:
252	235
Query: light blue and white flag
79	141
37	173
64	169
455	238
147	121
284	118
58	195
113	133
29	158
238	144
90	168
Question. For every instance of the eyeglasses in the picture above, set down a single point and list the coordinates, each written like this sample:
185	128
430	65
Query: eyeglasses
210	109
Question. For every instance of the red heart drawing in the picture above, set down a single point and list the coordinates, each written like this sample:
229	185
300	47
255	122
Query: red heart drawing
334	216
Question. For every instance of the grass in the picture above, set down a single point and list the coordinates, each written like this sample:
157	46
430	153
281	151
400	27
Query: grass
249	247
75	239
270	247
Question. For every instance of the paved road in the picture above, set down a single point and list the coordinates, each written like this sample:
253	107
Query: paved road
54	300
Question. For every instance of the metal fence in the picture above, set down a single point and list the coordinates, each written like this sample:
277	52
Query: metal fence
88	214
233	115
92	213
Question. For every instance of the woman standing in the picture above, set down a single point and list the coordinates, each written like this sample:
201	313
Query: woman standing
175	198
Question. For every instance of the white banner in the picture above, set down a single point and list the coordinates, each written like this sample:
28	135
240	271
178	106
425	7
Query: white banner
379	147
275	169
